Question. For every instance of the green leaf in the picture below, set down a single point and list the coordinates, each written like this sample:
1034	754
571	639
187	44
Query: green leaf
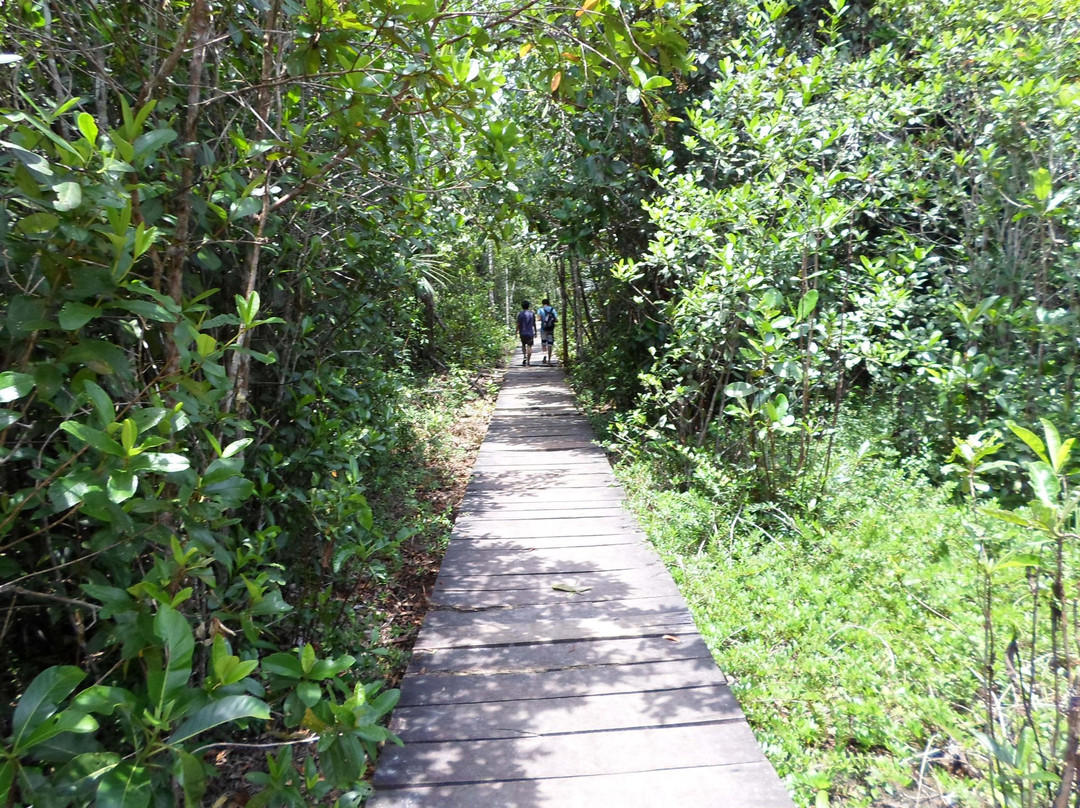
807	304
309	692
122	486
1006	516
1018	560
41	700
173	630
307	658
633	94
191	775
282	664
88	127
68	196
74	316
8	769
65	721
14	386
739	390
205	345
103	405
102	699
165	462
248	308
230	708
149	310
1041	183
236	446
1031	439
152	141
241	208
1044	482
656	82
37	165
129	431
1053	443
126	785
325	668
93	437
40	222
26	315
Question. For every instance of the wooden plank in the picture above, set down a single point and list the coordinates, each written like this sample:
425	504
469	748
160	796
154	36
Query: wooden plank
487	629
522	483
747	785
687	644
540	467
473	528
655	576
543	502
594	680
481	545
558	715
481	512
462	561
569	755
585	590
511	429
568	610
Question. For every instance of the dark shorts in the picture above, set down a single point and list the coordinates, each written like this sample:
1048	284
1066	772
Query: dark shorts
547	337
527	340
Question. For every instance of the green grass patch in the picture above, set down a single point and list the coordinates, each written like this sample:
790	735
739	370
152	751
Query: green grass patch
853	640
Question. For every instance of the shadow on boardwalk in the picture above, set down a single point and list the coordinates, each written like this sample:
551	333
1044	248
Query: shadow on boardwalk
559	665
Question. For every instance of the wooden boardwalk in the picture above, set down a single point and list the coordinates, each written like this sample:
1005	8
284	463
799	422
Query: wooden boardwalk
559	665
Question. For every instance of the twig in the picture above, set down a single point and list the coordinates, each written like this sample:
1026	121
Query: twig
30	593
922	770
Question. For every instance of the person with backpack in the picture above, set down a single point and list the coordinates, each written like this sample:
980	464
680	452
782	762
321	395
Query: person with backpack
548	318
526	329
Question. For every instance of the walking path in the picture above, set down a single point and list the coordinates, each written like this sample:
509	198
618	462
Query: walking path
559	665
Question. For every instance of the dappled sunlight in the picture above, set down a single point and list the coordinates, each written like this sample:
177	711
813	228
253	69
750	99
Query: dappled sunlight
559	665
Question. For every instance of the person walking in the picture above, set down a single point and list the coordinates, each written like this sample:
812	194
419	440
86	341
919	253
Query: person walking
548	318
526	329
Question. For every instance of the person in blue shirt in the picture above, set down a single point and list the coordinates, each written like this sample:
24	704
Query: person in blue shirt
526	329
548	318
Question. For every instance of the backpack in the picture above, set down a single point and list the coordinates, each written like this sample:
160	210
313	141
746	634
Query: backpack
547	318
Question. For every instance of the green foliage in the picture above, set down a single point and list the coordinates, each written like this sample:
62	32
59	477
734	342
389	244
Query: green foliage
230	235
848	637
863	207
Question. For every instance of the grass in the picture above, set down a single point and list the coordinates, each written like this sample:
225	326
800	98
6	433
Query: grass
853	639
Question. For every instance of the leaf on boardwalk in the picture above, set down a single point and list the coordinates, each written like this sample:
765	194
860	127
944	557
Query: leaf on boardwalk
573	590
671	638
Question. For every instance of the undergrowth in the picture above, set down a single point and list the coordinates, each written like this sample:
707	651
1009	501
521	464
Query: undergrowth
851	631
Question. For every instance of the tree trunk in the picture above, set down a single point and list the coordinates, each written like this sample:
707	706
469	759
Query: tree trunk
564	302
240	361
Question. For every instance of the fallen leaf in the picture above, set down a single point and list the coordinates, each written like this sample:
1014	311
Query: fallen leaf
671	638
573	590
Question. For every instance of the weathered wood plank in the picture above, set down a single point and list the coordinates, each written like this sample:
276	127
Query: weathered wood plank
548	483
685	643
463	561
569	610
482	545
553	513
593	680
569	755
549	590
748	785
439	631
566	714
653	576
473	528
